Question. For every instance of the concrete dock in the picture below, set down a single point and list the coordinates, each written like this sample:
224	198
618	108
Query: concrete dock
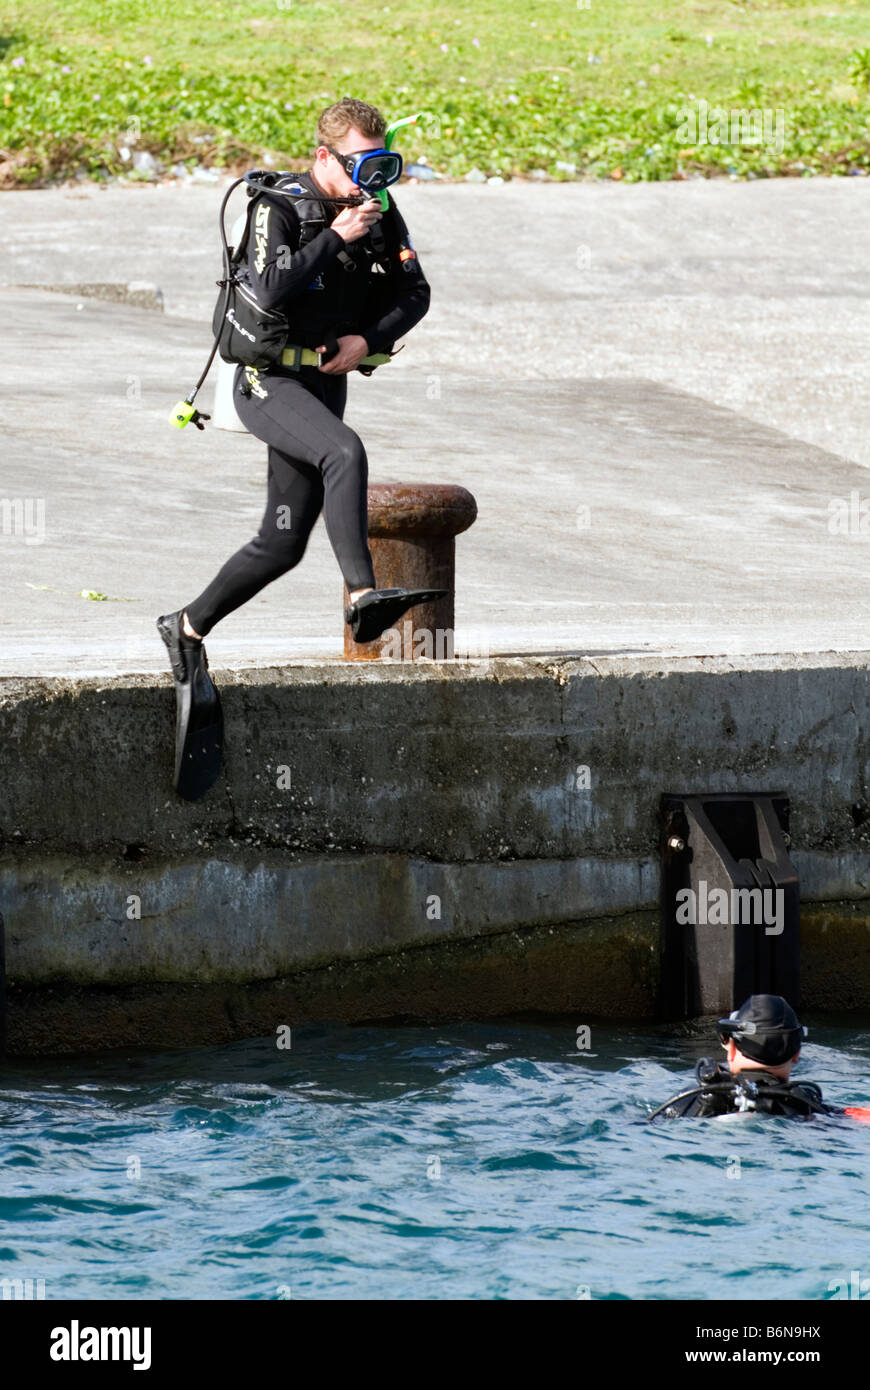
662	419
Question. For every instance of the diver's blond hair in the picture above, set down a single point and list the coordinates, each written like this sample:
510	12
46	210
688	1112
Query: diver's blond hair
337	120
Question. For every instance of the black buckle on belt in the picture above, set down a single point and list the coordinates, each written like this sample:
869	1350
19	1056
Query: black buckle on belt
330	342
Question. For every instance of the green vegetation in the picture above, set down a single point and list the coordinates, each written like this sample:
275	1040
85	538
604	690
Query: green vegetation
509	85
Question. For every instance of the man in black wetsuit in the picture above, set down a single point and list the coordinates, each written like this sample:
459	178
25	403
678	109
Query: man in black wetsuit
762	1040
350	284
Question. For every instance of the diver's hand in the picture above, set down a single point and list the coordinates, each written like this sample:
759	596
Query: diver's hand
352	348
352	223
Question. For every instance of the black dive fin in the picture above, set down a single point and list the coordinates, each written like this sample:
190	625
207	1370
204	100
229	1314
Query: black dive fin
375	612
199	728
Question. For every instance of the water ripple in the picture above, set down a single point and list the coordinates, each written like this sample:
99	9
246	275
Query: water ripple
478	1161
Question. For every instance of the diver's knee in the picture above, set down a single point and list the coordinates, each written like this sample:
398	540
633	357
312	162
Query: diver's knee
275	556
347	455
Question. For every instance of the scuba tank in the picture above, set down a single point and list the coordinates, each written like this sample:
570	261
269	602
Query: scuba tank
245	331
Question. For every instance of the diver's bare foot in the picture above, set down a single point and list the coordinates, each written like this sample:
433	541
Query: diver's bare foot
188	630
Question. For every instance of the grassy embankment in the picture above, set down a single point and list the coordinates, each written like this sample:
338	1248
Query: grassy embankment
509	86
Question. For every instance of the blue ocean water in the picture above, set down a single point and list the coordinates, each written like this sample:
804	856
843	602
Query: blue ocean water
449	1162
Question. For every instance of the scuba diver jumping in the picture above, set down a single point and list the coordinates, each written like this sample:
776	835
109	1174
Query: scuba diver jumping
762	1040
323	282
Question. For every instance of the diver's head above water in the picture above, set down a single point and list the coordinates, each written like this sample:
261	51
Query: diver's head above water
762	1040
762	1035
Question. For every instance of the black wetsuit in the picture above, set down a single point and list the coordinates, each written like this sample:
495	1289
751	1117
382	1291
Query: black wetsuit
315	460
721	1092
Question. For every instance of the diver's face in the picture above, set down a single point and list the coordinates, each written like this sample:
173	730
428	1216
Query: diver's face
331	174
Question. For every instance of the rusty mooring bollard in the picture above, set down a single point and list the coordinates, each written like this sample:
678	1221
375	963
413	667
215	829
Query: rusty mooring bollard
412	530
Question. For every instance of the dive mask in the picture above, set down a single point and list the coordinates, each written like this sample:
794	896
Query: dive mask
371	170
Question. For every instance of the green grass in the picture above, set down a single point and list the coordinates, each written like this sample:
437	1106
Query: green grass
226	83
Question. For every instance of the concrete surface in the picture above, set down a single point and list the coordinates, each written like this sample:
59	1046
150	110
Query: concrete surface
750	295
707	533
614	516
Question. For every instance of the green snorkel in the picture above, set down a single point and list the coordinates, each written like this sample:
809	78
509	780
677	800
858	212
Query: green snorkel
388	145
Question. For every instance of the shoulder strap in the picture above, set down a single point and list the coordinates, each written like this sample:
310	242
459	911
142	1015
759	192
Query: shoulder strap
287	185
238	252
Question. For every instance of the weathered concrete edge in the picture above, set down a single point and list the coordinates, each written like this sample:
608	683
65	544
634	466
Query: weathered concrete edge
441	761
398	769
558	665
607	970
202	921
585	971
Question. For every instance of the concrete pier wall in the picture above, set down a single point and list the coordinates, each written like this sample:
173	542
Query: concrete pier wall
444	839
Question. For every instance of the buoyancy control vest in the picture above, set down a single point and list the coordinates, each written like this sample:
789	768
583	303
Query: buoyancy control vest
721	1092
248	332
254	335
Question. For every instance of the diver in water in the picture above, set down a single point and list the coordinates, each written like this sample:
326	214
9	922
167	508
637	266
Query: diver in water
762	1040
328	250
